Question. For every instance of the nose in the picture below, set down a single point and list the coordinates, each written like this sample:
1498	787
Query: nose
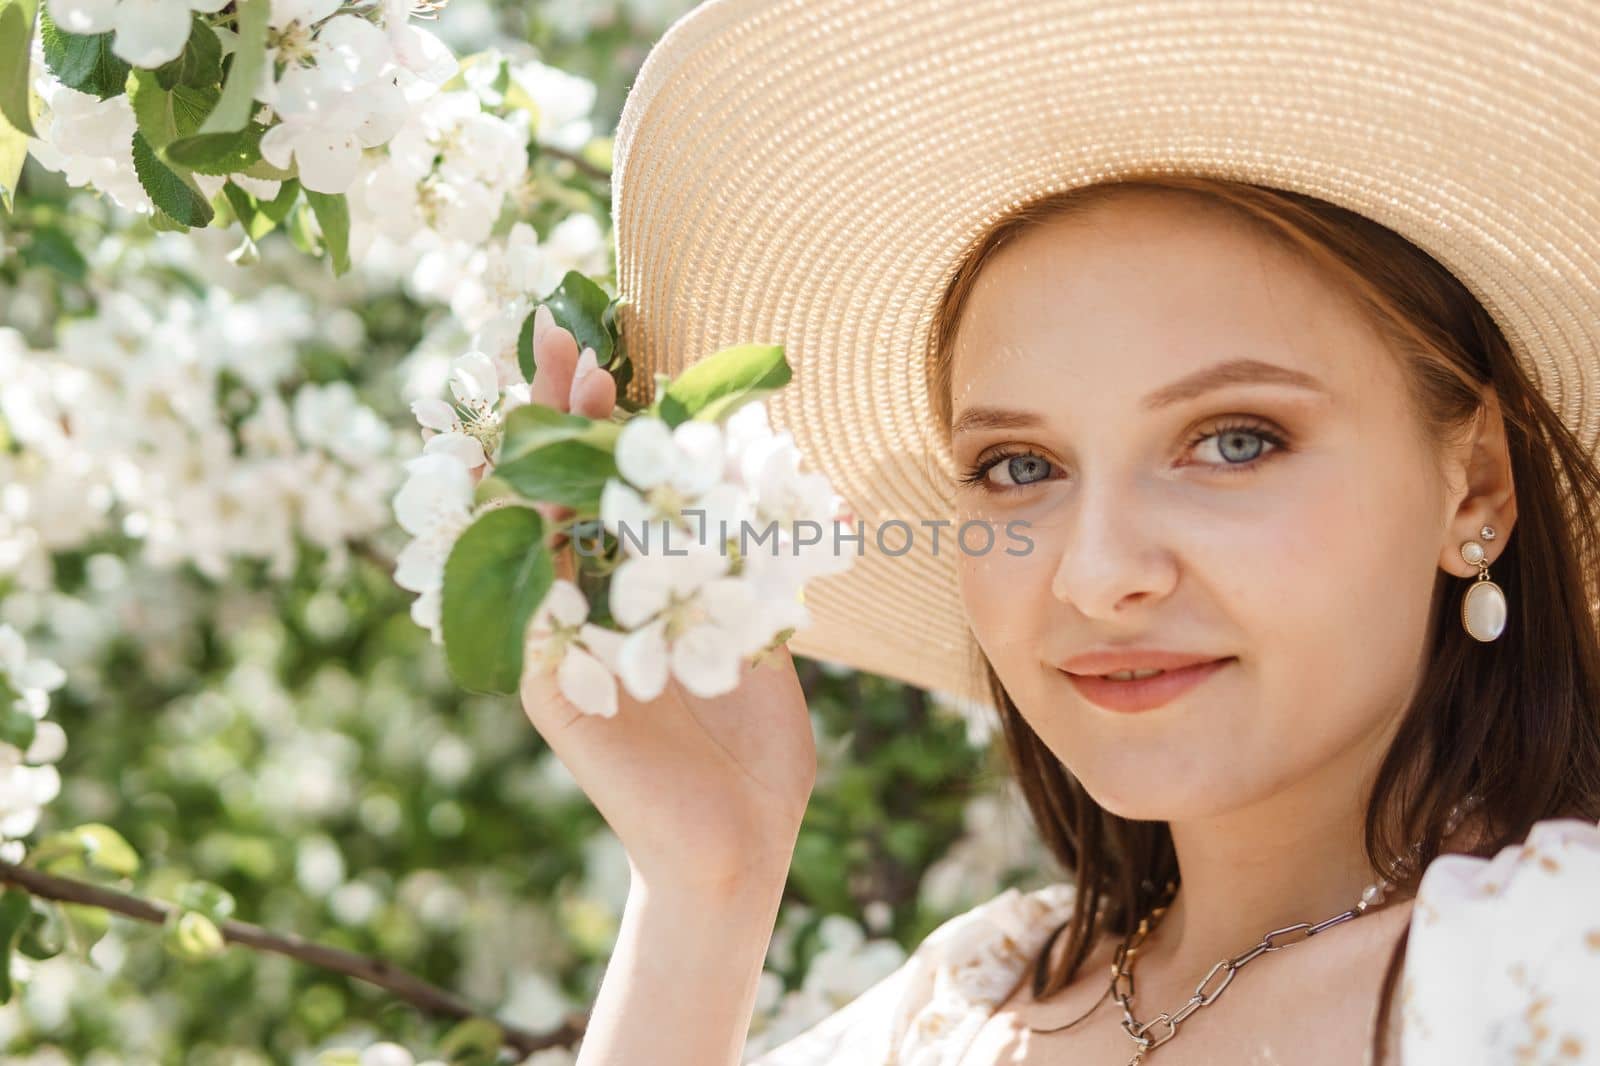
1112	553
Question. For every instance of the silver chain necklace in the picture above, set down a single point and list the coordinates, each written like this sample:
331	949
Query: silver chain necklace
1121	986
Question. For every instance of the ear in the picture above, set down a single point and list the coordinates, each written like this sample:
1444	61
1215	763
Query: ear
1482	490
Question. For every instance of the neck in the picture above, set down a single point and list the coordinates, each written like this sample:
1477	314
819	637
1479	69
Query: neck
1296	857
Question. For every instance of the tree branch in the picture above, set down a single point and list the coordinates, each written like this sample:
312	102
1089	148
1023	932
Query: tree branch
407	986
583	165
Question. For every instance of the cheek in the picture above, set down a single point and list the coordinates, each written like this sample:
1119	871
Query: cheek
1006	592
1332	589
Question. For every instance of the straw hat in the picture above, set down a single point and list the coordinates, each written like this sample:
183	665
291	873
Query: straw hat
809	172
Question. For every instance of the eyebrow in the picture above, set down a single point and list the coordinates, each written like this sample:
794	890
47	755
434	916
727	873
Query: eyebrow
1211	378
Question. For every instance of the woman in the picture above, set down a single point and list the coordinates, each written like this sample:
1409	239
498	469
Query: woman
1217	339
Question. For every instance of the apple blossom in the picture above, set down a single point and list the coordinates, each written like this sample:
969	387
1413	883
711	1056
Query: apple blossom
147	33
435	507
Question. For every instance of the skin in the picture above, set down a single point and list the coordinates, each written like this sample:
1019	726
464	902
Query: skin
1312	562
706	798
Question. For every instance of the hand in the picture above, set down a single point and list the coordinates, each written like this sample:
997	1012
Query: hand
702	793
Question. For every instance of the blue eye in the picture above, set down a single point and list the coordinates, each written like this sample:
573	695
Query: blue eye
1019	462
1235	447
1242	445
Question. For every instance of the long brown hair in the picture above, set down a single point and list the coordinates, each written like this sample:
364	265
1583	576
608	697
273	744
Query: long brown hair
1516	722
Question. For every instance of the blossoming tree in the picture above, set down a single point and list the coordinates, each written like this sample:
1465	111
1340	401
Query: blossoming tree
269	280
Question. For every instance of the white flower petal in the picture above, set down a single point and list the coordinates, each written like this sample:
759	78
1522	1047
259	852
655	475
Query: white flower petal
621	508
473	378
350	51
731	605
565	603
437	485
699	460
49	743
328	163
425	611
84	16
385	1053
423	54
435	414
277	145
639	587
605	644
468	451
642	662
150	32
304	12
419	567
704	662
645	453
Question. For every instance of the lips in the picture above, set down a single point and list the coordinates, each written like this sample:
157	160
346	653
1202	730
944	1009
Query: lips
1145	693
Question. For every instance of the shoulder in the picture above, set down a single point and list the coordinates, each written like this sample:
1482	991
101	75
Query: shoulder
948	984
968	966
1503	959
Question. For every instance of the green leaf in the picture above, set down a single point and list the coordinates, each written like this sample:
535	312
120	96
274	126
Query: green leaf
491	488
333	218
474	1042
525	346
199	65
13	153
718	384
82	62
579	305
172	193
339	1057
160	220
164	115
574	309
230	152
496	576
267	172
93	846
44	934
518	98
14	912
536	425
85	926
16	42
17	726
299	229
237	101
261	216
621	366
211	900
568	472
192	936
258	217
52	249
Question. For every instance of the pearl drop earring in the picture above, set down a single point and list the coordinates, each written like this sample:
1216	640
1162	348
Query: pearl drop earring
1483	608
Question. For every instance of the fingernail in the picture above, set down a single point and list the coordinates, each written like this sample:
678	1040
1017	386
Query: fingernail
587	364
542	321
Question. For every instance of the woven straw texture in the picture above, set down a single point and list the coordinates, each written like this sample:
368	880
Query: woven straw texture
809	173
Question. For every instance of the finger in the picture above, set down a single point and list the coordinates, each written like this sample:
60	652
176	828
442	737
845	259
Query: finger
594	393
555	353
566	567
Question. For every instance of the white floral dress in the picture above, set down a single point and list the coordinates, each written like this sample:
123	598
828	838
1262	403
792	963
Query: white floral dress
1502	967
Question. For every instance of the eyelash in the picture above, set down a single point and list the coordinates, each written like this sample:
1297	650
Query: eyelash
979	473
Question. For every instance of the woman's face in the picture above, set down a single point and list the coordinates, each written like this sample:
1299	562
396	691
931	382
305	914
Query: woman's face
1297	530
